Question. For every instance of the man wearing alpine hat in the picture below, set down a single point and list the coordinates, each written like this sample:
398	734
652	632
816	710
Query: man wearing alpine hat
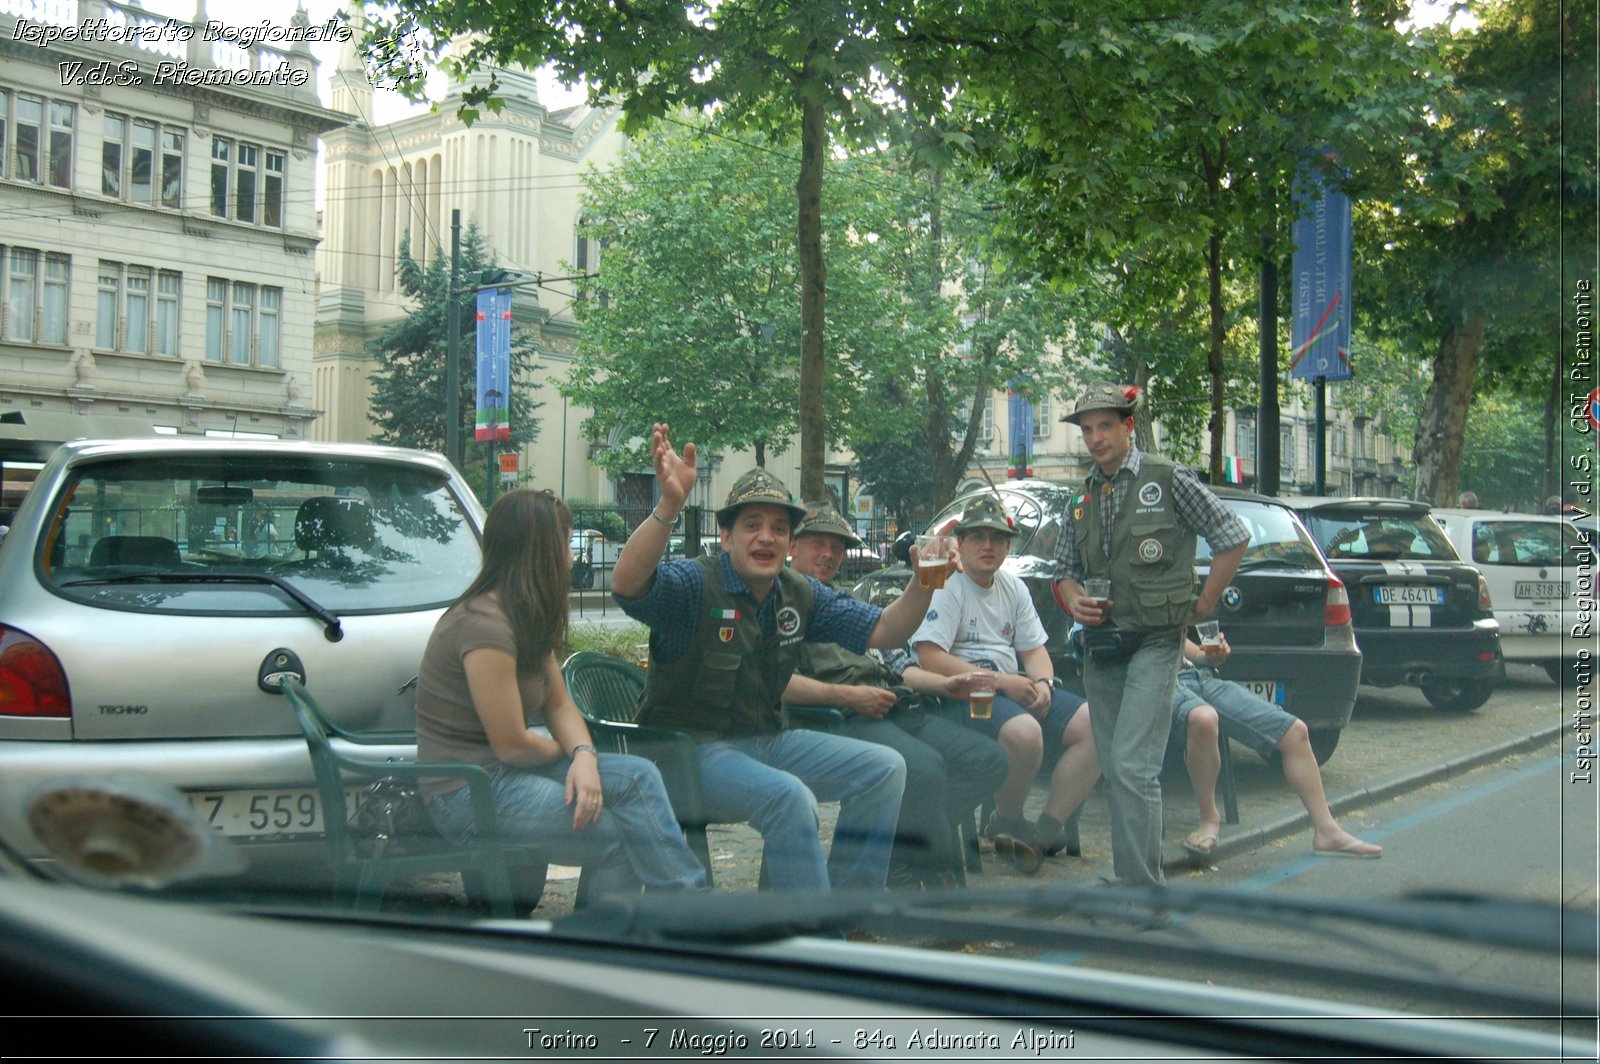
984	616
1135	523
950	769
725	636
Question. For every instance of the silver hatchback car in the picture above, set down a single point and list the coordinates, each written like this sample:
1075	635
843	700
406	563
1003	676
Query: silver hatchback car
150	589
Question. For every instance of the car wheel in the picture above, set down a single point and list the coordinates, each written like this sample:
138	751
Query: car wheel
1323	742
1564	673
1458	696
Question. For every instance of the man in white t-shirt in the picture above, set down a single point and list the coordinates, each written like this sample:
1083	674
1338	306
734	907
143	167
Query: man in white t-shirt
984	616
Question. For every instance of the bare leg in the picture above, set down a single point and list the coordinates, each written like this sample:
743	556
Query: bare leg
1076	769
1203	758
1023	744
1300	769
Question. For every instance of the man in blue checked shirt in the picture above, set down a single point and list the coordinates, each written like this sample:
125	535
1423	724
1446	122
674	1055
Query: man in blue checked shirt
725	634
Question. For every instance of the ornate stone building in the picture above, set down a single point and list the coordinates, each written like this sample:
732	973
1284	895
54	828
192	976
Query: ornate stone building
156	265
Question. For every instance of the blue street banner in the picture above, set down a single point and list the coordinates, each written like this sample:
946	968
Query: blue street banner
494	364
1321	270
1019	413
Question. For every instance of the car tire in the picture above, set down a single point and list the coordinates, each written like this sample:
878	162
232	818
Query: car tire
1323	742
1563	673
1458	696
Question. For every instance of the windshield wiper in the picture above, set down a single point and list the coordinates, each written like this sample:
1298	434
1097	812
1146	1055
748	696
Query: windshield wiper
331	629
1107	920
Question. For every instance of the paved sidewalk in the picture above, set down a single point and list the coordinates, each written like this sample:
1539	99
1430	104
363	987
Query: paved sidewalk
1396	744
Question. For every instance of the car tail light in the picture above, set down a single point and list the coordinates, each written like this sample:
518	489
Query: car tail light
1336	610
32	682
1483	596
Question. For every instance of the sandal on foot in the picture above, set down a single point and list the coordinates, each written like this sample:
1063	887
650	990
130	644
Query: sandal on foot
1200	843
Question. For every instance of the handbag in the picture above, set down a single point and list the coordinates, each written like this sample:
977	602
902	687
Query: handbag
1106	644
389	812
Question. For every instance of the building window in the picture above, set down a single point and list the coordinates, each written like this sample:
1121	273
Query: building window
107	303
243	323
1244	438
271	305
22	288
124	320
1041	418
63	116
1286	455
137	338
168	284
30	116
272	191
986	434
249	179
244	309
131	163
57	274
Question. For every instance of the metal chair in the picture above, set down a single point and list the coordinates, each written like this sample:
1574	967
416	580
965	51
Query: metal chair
607	691
362	873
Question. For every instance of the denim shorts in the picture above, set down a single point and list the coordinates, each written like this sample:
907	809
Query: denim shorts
1241	714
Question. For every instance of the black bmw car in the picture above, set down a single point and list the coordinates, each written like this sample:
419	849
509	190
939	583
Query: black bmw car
1286	614
1422	615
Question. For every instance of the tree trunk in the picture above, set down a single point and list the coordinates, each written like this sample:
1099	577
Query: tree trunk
813	299
1444	411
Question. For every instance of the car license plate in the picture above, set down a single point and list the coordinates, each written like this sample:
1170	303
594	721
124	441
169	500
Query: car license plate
1268	690
1409	595
255	813
1540	589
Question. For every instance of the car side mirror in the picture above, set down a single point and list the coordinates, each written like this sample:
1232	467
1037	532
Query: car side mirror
900	550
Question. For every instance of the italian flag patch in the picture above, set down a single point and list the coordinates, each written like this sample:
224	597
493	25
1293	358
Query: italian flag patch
725	615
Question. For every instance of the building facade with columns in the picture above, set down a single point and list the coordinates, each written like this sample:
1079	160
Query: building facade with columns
517	175
156	266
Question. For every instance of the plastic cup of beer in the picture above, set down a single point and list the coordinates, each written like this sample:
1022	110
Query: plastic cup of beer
1210	633
933	561
980	699
1097	588
641	655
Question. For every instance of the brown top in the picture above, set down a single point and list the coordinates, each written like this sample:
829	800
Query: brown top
448	728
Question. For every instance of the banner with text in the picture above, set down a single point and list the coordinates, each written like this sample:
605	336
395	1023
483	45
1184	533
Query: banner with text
494	364
1321	271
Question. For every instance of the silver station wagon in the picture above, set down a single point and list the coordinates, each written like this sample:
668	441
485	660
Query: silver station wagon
150	590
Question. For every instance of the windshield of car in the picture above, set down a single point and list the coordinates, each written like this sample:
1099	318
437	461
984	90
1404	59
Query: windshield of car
1379	536
353	536
1275	536
1533	544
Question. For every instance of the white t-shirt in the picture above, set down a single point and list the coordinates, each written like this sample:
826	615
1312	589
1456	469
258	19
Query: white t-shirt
982	623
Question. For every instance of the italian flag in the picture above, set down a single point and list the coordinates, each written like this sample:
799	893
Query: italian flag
725	615
1233	469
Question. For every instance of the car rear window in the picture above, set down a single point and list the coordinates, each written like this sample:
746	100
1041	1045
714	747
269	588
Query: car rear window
223	534
1275	535
1524	543
1380	536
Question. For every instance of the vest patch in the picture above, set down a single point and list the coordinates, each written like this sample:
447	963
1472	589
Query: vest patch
1150	494
788	621
1150	550
725	633
725	615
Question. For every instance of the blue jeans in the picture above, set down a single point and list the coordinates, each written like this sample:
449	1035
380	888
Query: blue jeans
1132	703
635	842
775	781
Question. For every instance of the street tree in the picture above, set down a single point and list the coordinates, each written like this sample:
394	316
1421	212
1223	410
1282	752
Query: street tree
408	385
1464	256
1156	143
816	72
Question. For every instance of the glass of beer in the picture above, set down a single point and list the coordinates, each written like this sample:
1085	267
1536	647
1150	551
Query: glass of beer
980	696
933	561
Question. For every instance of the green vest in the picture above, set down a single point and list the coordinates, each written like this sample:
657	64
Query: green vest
730	681
1152	555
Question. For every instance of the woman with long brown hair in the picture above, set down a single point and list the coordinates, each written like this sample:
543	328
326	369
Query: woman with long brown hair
491	693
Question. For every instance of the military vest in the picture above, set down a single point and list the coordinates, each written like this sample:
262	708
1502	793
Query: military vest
730	681
1152	555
